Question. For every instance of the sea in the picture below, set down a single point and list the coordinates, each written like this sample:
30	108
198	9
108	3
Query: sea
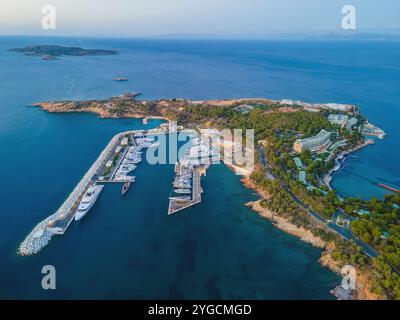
128	247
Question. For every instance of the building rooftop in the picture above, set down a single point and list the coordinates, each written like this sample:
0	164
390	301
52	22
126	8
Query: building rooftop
302	177
298	162
244	108
124	141
109	163
338	119
363	212
315	143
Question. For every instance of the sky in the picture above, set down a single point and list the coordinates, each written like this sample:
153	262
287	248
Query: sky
215	18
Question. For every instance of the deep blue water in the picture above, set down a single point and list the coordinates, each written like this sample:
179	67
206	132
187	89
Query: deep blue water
129	247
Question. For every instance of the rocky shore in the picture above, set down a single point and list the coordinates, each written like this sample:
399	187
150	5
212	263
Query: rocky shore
97	108
126	106
363	278
286	226
364	282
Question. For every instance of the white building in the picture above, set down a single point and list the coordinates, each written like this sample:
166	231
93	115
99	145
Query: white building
352	122
109	163
338	119
287	101
314	144
124	141
118	149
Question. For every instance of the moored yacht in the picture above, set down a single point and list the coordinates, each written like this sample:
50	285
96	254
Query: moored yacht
88	201
185	191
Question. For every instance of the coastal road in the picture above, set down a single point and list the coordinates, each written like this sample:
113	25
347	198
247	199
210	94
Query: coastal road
343	232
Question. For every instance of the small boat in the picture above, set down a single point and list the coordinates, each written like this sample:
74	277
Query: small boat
48	57
120	79
180	198
125	187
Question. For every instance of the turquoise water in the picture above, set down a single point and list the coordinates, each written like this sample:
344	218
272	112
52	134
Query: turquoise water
129	247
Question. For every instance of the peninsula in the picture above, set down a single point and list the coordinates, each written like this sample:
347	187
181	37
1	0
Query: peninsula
49	52
299	147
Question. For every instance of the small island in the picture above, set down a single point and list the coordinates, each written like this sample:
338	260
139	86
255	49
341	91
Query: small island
51	52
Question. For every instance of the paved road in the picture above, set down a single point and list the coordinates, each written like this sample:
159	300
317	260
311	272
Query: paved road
343	232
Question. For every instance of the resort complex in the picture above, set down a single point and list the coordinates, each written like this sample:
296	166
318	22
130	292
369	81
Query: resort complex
314	144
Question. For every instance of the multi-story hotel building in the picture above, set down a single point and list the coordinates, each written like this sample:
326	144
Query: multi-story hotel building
314	144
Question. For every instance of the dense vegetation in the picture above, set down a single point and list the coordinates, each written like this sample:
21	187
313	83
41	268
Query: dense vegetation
281	204
380	227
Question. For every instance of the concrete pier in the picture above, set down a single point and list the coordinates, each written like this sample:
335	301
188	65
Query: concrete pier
59	222
179	205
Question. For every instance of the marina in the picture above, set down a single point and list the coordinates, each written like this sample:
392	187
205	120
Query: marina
120	157
186	187
114	165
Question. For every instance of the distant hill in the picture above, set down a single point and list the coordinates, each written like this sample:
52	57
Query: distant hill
53	51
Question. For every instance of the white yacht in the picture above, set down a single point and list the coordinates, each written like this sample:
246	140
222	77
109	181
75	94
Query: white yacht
180	198
182	185
185	191
88	201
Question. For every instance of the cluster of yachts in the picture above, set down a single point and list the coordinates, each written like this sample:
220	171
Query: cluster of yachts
128	164
131	159
182	185
146	142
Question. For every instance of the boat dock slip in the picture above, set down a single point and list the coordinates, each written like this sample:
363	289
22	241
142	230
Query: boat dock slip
58	222
188	173
176	205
